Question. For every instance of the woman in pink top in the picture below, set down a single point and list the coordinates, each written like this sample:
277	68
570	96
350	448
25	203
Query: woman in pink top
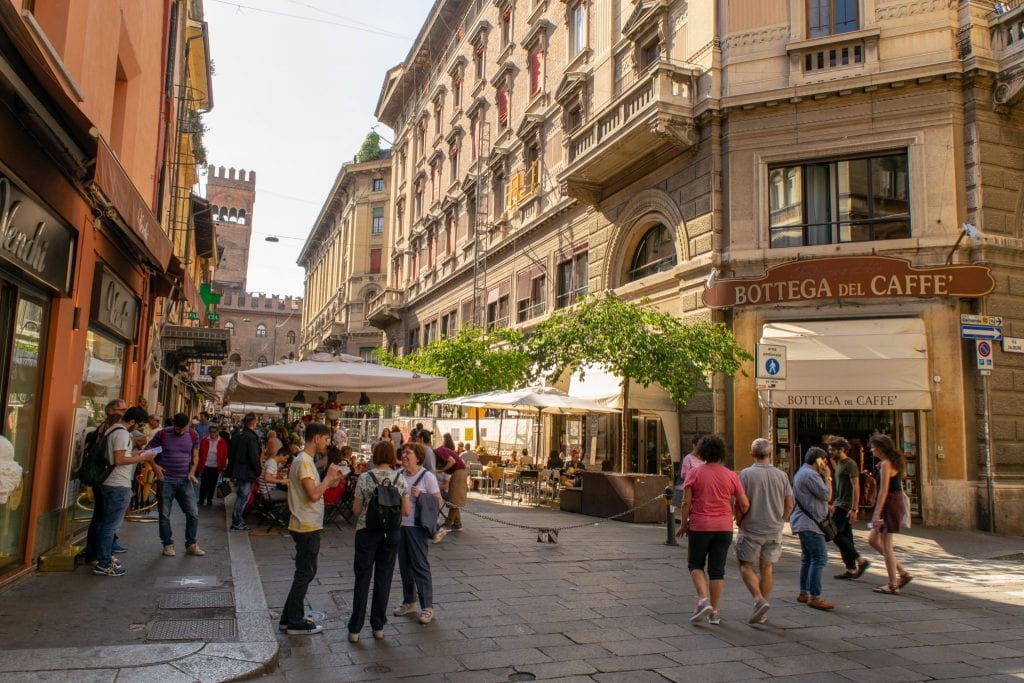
713	495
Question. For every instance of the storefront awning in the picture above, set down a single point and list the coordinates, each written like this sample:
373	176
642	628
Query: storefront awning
196	344
876	364
117	188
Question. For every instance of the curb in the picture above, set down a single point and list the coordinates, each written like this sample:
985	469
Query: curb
254	654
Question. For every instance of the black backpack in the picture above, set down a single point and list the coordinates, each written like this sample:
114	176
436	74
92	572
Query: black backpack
384	512
96	467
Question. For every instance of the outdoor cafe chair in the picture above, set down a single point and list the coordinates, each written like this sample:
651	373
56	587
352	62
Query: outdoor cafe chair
526	485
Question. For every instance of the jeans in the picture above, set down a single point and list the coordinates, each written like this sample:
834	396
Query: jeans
307	548
183	491
844	538
111	502
414	566
208	484
375	553
242	491
813	558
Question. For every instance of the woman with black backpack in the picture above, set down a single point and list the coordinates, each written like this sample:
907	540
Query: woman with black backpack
381	500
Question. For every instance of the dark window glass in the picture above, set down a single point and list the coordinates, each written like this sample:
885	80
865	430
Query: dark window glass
655	253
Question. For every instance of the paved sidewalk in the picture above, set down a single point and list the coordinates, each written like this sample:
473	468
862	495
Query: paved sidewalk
146	625
612	603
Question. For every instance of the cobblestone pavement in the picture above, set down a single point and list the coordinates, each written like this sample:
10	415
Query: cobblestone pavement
612	603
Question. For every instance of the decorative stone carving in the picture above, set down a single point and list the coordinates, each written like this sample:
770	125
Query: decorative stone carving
682	132
1008	92
769	34
588	193
909	9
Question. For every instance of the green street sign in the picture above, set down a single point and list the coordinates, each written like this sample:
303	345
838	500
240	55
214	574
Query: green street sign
192	315
213	317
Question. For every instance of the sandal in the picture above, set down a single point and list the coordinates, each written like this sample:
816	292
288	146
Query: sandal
905	579
887	589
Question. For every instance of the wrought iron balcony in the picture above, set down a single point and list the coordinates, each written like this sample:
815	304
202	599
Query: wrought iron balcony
652	117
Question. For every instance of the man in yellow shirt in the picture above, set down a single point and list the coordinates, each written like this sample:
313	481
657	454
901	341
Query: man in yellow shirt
305	501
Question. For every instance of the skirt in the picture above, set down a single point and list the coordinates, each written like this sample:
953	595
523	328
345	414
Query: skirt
892	513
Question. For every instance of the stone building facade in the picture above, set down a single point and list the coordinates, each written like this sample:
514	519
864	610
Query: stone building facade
232	196
264	328
799	175
343	258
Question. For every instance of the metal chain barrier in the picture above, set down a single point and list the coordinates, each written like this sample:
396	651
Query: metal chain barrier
550	534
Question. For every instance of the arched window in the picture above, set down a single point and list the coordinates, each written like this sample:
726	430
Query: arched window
261	362
261	331
291	337
655	253
230	327
234	361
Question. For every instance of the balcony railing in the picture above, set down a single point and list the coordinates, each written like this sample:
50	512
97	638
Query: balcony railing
385	308
833	57
652	113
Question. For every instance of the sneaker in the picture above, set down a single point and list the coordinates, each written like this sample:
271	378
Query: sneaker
308	628
803	597
820	603
353	637
702	610
439	536
715	618
282	626
761	608
426	616
457	527
405	608
379	635
194	549
241	527
113	560
762	620
169	550
109	570
117	548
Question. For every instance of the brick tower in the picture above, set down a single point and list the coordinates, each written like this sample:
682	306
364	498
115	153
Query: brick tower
231	195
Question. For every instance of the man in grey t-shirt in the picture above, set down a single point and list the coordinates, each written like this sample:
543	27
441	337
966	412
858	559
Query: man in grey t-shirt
760	537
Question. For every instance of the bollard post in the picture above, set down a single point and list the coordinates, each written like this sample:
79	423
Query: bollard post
670	519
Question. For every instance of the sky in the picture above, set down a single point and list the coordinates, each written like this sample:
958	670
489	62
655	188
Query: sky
295	86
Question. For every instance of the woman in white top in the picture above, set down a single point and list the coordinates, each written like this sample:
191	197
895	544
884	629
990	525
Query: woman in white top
413	563
271	476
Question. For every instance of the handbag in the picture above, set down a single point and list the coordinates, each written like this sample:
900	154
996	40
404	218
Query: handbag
223	488
827	526
905	517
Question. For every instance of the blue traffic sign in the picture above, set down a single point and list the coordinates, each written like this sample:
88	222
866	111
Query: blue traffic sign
772	366
981	332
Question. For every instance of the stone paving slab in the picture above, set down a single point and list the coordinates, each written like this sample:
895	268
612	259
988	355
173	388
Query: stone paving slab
612	603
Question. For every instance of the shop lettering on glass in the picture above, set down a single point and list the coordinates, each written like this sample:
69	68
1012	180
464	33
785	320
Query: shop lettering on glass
33	239
114	305
849	277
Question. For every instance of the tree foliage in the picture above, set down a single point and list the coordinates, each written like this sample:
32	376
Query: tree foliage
473	361
638	342
370	149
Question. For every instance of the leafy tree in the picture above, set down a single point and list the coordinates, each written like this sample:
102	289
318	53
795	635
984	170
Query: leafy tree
636	342
370	150
473	361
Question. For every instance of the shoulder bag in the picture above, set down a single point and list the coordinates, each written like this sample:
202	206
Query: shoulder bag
827	526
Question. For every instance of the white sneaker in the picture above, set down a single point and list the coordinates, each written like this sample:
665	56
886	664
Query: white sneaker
702	610
405	608
169	550
439	536
759	616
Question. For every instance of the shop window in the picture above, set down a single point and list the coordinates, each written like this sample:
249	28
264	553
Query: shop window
291	337
377	227
850	200
261	330
828	17
571	280
655	253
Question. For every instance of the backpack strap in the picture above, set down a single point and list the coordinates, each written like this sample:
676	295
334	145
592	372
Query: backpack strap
417	480
373	478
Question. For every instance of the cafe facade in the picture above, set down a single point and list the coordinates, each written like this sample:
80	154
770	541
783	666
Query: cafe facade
870	345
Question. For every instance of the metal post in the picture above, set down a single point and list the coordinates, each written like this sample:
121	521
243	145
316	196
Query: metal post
987	445
670	519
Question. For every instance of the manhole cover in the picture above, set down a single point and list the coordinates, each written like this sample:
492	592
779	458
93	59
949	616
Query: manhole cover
192	629
377	669
196	600
522	676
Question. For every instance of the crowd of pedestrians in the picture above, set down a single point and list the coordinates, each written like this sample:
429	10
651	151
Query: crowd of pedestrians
820	504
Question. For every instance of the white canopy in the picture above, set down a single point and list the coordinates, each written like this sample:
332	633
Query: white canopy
254	408
875	364
539	399
348	376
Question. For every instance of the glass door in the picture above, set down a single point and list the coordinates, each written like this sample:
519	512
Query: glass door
23	318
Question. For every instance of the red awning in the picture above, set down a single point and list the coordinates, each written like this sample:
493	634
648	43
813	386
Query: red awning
112	181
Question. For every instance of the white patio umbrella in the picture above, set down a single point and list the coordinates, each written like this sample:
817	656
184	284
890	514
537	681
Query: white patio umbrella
351	378
530	399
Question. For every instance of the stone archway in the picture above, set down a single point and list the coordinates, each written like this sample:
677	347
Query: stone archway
645	209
